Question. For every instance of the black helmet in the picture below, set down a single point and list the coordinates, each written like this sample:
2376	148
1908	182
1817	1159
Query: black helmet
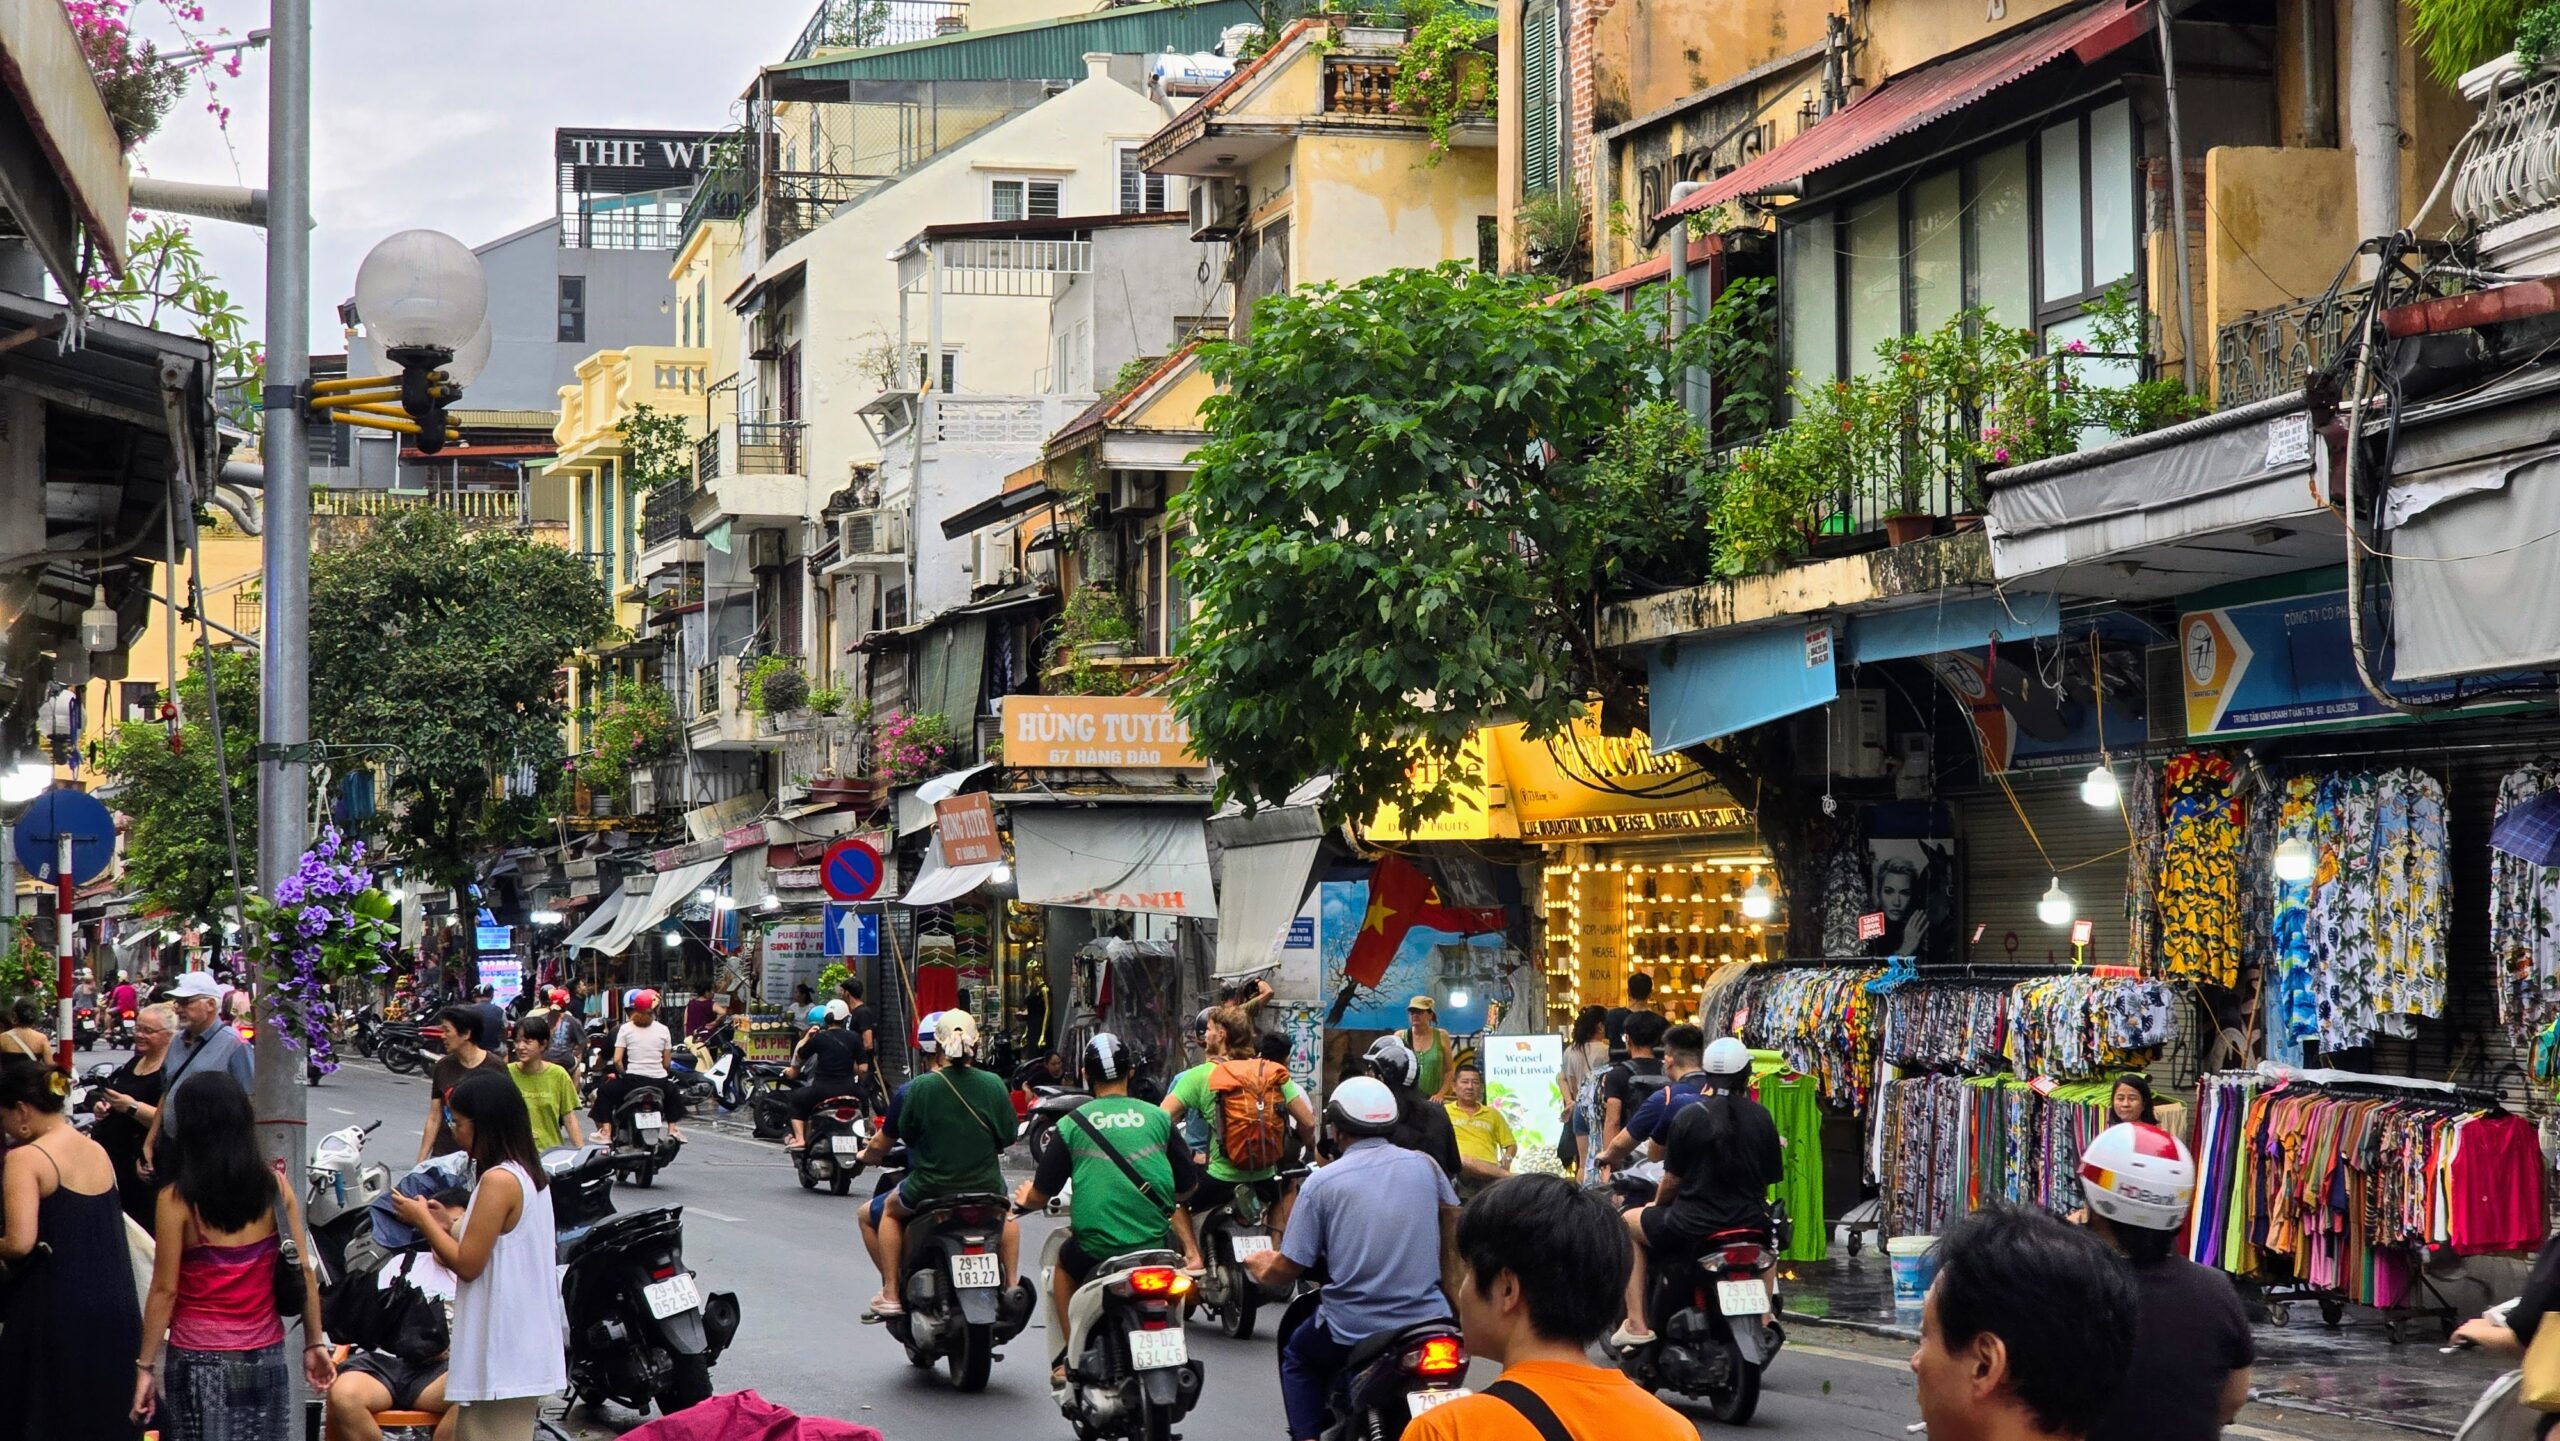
1107	1058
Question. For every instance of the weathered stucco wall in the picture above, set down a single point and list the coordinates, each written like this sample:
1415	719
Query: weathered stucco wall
1367	204
2258	251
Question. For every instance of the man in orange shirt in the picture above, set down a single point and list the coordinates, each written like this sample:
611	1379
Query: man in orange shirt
1546	1264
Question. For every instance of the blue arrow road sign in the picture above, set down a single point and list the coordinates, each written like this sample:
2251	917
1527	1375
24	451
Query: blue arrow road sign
93	836
851	932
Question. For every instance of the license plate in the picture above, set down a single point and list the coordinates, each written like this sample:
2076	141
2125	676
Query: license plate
974	1272
1157	1350
673	1296
649	1120
1418	1402
846	1145
1742	1298
1248	1247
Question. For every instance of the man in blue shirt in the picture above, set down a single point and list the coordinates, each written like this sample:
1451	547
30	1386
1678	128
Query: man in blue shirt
204	1045
1360	1218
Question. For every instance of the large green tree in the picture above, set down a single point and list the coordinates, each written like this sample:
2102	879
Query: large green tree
434	652
176	852
1418	490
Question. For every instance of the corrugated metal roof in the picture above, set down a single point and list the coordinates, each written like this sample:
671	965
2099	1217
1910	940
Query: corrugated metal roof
1036	50
1913	99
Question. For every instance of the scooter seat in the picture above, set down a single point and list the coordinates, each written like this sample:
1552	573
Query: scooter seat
1132	1260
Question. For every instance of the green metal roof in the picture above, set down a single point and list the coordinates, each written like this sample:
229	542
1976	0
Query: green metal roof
1035	50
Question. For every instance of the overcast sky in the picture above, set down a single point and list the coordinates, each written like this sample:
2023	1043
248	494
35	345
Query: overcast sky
439	113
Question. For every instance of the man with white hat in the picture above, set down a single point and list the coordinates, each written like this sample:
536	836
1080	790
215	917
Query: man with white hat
205	1044
2191	1346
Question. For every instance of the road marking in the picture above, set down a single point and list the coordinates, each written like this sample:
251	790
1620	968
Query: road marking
339	1111
716	1216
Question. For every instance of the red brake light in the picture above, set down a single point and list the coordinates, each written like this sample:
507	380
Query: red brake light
1158	1281
1744	1255
844	1114
662	1273
1438	1356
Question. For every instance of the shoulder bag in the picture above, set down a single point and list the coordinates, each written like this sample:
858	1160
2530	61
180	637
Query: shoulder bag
1532	1408
1145	1187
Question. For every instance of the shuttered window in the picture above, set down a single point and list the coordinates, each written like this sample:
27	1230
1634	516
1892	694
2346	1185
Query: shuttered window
1541	96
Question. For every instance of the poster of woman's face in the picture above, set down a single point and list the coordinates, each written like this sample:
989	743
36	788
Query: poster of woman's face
1912	884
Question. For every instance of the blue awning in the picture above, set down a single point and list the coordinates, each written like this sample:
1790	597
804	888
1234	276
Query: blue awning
1717	684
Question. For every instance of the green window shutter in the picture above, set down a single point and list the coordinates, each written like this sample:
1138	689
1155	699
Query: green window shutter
1541	117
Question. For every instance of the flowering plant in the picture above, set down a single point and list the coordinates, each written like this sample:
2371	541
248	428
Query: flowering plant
137	83
911	746
630	722
325	923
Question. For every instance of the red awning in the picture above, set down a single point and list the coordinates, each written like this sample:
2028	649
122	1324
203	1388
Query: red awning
1909	101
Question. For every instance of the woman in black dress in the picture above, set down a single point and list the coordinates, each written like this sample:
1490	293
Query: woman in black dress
71	1323
128	1102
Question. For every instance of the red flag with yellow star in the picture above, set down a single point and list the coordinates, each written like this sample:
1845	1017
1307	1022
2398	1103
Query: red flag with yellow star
1401	898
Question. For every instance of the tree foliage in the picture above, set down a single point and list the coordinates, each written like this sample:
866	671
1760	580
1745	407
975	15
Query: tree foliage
175	851
1405	512
434	651
167	285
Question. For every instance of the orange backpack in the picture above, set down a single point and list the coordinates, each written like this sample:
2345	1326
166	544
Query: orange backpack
1253	1117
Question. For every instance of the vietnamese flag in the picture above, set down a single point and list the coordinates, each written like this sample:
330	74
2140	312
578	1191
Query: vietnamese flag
1401	898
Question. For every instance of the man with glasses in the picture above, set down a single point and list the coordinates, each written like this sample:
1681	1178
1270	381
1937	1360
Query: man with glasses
204	1045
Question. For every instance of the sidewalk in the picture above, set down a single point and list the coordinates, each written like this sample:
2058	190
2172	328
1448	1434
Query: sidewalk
2352	1371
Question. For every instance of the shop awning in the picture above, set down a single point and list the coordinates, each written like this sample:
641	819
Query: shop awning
2231	496
1872	636
1716	685
1915	98
1114	858
2475	553
596	924
938	884
1265	861
1006	505
667	890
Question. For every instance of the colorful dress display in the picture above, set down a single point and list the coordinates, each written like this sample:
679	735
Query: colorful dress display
2200	905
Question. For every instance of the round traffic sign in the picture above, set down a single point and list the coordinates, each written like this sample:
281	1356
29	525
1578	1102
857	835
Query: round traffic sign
850	870
92	830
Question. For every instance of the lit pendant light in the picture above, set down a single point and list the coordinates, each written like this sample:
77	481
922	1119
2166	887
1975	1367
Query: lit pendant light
2100	788
1757	903
2054	906
2293	859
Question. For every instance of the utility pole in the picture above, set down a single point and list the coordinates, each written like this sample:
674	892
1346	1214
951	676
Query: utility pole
284	719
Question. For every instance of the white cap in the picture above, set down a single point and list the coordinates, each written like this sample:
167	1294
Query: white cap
198	985
1727	1057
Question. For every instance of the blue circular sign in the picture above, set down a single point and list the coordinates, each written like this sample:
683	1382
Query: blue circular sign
850	870
92	830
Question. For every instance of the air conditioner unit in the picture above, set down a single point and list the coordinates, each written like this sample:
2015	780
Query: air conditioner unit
1136	492
1847	737
644	793
1217	209
764	550
874	533
1914	767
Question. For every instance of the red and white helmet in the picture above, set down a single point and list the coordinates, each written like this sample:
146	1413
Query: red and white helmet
2140	1176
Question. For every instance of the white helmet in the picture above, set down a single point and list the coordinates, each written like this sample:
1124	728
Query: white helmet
2138	1175
925	1033
839	1011
1362	1106
956	1031
1727	1057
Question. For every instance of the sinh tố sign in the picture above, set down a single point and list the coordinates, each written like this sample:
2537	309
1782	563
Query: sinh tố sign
1072	732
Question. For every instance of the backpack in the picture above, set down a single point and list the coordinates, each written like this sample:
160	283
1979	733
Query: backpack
1253	1119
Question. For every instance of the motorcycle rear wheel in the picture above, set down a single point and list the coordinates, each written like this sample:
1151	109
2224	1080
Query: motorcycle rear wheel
689	1385
399	1061
1155	1423
1734	1407
971	1357
1236	1316
808	1176
843	1182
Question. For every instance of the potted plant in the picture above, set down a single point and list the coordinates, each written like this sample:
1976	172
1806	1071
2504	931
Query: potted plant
1095	625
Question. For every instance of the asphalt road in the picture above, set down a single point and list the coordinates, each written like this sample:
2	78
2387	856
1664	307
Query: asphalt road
794	1258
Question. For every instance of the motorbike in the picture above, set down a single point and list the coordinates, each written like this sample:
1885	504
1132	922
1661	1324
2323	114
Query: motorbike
406	1048
641	1330
82	1102
366	1030
1388	1379
84	1029
1712	1326
1234	1228
120	1031
642	1144
340	1189
952	1282
1129	1369
838	1130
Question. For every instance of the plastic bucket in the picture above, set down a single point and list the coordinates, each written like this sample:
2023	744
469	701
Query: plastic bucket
1915	1265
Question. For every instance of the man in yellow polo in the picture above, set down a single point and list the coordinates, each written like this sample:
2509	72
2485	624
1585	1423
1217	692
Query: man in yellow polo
1485	1143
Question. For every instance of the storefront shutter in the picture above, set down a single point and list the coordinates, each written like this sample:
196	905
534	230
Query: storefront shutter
1541	116
2005	874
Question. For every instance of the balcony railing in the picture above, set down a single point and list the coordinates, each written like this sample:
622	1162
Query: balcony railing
861	24
1360	86
662	514
474	507
749	447
2515	170
2266	353
706	689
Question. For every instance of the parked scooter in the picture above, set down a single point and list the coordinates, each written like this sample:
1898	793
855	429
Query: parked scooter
1129	1367
1388	1379
365	1030
407	1048
341	1189
641	1331
1712	1326
952	1281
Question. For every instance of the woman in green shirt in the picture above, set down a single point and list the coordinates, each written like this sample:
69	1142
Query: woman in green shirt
549	1094
1430	1047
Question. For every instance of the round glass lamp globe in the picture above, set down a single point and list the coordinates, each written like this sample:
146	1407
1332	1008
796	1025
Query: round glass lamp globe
421	290
471	359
